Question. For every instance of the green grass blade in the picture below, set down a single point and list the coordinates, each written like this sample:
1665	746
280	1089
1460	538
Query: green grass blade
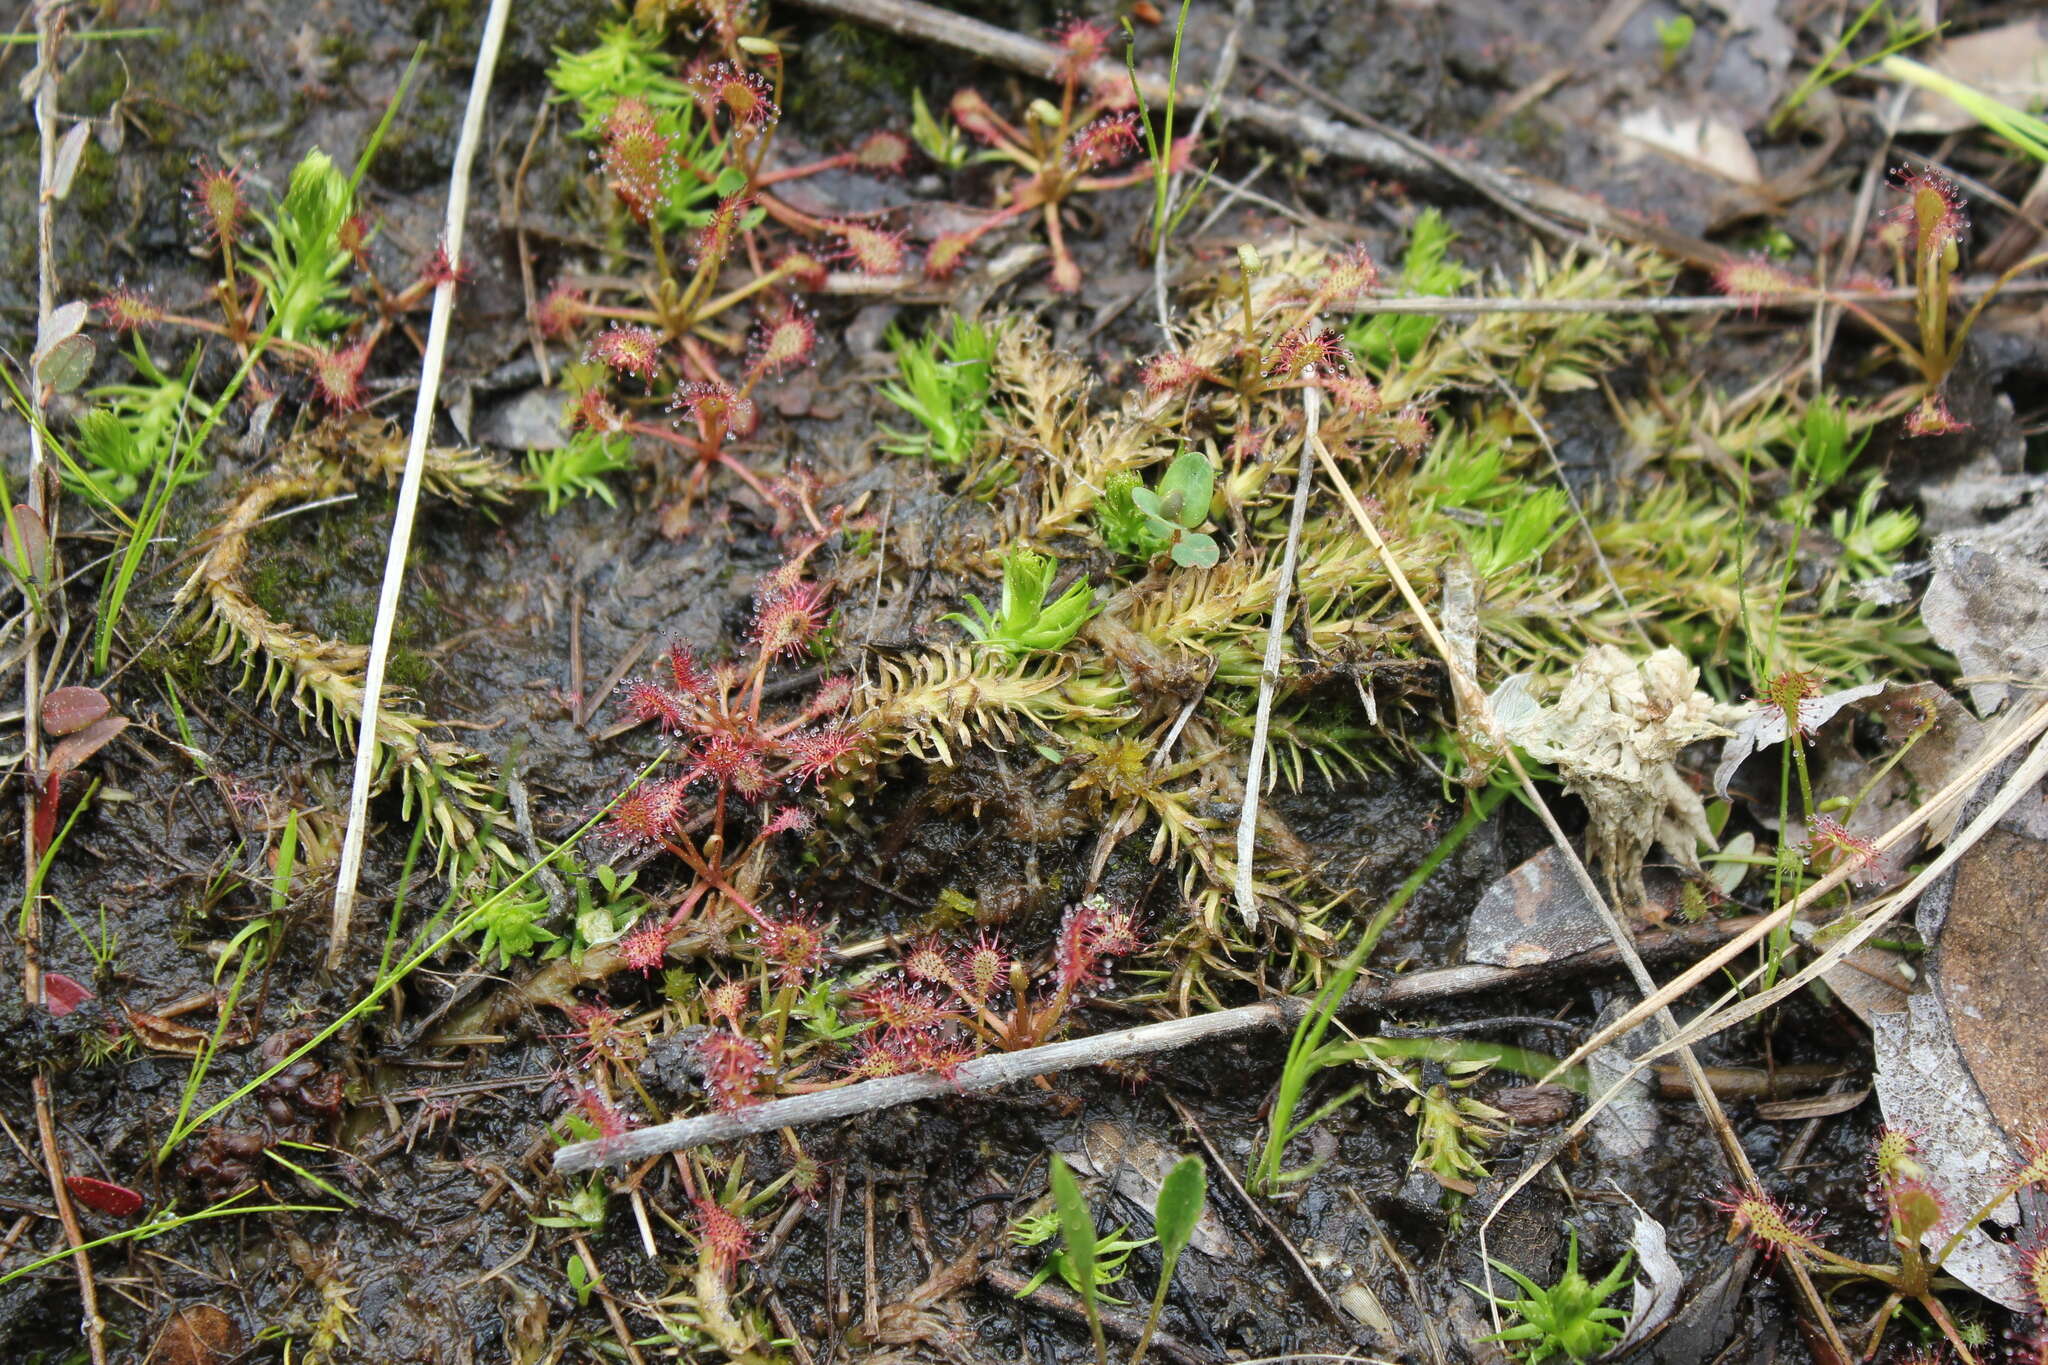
1077	1237
2017	126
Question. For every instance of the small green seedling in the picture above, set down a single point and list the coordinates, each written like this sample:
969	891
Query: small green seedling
1825	452
1145	522
122	444
1380	339
1674	36
627	62
579	1279
945	387
577	470
1025	624
937	137
1571	1320
1182	1196
302	266
1517	537
1112	1255
583	1210
1077	1239
511	926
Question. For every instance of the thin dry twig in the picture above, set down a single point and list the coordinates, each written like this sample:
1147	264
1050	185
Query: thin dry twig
986	1073
42	506
1226	67
1115	1322
350	870
1996	750
1269	671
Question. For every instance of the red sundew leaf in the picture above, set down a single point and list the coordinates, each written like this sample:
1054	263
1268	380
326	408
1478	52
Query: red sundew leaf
104	1195
61	994
46	813
68	710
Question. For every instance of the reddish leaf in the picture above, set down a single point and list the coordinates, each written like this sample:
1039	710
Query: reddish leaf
104	1195
46	813
198	1335
61	994
70	709
26	544
159	1034
73	750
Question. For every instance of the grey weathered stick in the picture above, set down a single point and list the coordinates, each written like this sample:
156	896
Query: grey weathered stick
1269	671
986	1073
983	1073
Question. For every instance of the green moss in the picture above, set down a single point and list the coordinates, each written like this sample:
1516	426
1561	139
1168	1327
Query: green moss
92	189
850	80
179	655
408	668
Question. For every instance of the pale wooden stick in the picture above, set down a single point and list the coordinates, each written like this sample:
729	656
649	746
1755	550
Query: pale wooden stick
409	488
1269	671
983	1073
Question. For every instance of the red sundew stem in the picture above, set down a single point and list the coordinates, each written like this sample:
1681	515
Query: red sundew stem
697	865
1056	236
1092	183
694	352
748	477
830	163
686	905
996	220
1009	140
790	216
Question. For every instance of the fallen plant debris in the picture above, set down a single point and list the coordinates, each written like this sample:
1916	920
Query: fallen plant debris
906	809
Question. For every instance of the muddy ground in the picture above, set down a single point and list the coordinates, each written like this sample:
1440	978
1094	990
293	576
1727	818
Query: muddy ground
514	619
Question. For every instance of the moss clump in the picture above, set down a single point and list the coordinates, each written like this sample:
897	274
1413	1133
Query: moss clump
858	60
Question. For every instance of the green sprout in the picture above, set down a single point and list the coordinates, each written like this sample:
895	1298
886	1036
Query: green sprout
1571	1320
1870	539
1452	1130
945	387
607	905
627	63
1145	522
1182	1196
1517	538
582	1211
577	470
124	443
1901	32
1674	36
302	266
1025	624
938	138
1825	453
511	927
1112	1255
1380	339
